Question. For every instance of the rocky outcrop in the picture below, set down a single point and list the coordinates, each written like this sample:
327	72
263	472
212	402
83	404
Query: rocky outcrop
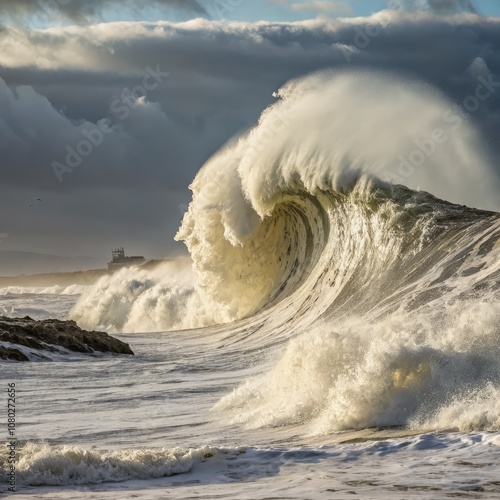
12	354
26	335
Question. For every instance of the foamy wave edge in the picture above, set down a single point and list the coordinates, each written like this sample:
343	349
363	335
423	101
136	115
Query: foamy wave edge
41	464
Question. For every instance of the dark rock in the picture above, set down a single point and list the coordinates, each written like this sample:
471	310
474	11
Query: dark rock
49	334
12	354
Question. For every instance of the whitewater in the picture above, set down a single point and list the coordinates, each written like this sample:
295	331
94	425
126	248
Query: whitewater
335	329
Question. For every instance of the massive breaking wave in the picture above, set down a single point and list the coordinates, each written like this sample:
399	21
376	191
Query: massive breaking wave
384	297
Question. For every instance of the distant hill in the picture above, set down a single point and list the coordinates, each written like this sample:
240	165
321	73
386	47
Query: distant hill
13	263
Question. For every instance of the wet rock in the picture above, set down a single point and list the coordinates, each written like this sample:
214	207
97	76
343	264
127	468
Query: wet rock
50	335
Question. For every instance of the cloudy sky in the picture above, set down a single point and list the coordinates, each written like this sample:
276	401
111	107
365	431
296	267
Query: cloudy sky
109	108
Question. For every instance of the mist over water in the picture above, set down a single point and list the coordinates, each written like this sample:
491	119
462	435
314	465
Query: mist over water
383	298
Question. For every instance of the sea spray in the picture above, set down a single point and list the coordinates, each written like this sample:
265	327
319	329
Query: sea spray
437	369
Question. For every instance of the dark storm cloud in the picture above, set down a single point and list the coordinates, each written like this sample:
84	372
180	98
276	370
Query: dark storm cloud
79	10
449	6
59	84
438	6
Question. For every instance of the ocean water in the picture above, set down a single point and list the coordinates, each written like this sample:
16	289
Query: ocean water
333	334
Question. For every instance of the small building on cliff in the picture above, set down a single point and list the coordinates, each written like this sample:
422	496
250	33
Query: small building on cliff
119	260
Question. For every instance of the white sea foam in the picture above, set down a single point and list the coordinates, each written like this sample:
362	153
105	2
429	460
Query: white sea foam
43	464
135	300
429	371
429	465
